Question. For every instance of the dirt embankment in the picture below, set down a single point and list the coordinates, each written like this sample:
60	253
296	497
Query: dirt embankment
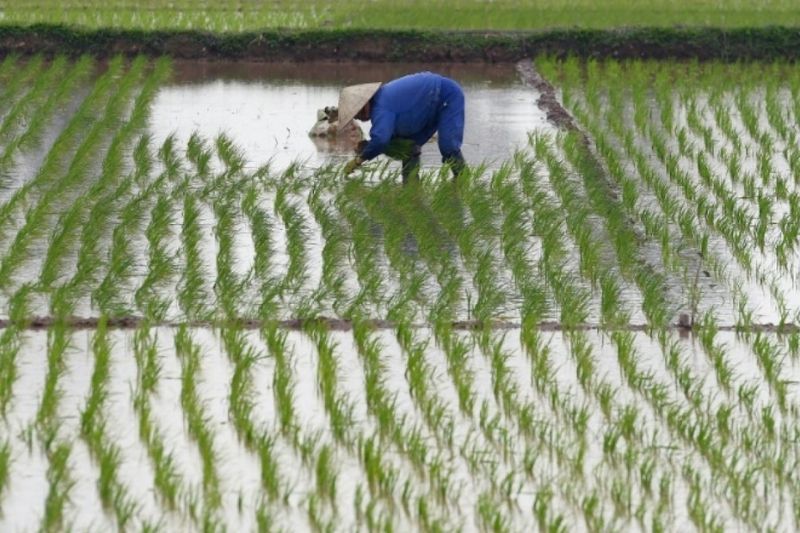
339	324
389	45
547	101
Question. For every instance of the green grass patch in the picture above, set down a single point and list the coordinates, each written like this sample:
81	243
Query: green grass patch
236	16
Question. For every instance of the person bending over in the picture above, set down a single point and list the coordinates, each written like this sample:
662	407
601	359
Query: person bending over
405	113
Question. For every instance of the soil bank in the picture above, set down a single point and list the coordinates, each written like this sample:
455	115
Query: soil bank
410	45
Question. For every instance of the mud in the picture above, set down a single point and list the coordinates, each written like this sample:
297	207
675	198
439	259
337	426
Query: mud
547	101
403	45
340	324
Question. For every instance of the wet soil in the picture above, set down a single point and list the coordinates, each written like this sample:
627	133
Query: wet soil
340	324
547	101
404	45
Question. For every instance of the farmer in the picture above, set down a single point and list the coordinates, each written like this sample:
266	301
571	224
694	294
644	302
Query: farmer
405	113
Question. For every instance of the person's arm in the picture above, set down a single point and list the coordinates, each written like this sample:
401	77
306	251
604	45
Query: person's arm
380	134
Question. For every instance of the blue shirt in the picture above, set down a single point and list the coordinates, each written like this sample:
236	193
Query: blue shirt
406	107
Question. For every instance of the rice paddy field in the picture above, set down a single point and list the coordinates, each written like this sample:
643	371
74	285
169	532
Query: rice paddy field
245	15
595	330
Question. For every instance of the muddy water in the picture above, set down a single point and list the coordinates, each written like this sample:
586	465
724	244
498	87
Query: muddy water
267	109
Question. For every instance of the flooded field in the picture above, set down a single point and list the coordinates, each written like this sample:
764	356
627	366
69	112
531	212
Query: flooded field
267	109
205	325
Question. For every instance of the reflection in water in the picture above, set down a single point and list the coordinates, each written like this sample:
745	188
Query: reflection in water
328	137
341	145
337	73
267	109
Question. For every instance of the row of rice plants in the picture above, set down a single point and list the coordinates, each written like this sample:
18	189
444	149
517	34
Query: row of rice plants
100	200
112	186
120	259
192	295
58	155
113	493
19	315
228	287
415	279
38	109
743	506
76	175
756	153
167	480
419	424
374	276
37	119
498	360
19	78
419	389
335	266
618	415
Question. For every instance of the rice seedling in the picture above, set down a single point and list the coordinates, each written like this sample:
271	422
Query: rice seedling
770	360
283	382
60	483
8	366
334	252
505	391
240	402
192	294
5	461
381	476
161	264
456	350
233	161
382	402
326	475
199	155
197	426
261	229
58	344
167	480
337	405
19	313
227	286
296	236
271	479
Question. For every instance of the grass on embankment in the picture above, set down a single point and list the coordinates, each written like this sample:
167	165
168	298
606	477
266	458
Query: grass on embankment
767	43
248	15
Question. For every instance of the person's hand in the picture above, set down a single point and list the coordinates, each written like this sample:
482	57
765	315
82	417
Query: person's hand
352	165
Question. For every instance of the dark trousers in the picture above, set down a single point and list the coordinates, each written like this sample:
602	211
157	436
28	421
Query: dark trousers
410	163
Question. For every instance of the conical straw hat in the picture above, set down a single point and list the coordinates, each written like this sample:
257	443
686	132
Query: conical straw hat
352	99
